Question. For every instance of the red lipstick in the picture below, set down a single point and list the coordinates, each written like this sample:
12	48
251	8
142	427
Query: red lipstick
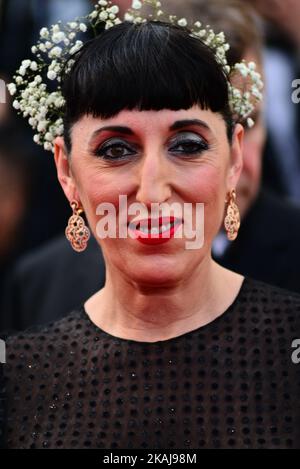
163	229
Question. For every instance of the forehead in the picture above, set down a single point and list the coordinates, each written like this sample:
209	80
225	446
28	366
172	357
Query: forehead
150	122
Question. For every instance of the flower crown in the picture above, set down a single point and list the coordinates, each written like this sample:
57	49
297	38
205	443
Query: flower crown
56	46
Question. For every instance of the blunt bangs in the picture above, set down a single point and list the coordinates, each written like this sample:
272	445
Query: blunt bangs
149	66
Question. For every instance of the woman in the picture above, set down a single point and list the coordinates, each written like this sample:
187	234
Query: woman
175	351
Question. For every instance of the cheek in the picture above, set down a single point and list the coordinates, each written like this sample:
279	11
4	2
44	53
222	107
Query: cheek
208	186
204	185
97	186
204	181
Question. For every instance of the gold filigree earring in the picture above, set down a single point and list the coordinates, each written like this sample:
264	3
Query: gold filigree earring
232	220
77	232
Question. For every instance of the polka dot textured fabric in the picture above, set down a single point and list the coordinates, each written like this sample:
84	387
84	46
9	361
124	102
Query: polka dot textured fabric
229	384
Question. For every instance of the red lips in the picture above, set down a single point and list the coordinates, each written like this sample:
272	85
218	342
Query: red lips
154	238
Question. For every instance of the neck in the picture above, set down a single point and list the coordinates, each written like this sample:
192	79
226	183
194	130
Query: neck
142	312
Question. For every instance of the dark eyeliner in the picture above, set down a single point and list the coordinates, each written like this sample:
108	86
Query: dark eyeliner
101	150
201	145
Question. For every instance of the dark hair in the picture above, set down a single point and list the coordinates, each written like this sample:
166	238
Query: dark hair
148	66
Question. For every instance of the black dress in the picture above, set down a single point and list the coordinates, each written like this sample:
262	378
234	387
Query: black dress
229	384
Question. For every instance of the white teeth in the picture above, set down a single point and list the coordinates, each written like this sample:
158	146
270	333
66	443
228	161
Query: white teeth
166	227
156	230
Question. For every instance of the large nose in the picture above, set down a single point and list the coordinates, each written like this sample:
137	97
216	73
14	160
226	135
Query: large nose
154	178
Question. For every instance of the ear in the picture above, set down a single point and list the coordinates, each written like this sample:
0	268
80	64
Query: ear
236	157
64	171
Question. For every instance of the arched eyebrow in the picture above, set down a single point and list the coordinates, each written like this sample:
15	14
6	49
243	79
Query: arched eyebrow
128	131
114	128
187	122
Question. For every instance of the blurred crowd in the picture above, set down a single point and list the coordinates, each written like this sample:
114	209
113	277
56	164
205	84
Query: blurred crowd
38	268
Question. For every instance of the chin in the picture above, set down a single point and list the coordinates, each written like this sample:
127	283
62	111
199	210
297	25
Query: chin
157	270
156	279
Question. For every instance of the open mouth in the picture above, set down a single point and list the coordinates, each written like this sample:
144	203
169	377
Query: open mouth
155	226
155	230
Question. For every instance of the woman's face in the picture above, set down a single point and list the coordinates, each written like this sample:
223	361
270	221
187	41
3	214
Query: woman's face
161	157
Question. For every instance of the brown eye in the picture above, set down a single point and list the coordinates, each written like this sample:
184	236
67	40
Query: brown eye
114	151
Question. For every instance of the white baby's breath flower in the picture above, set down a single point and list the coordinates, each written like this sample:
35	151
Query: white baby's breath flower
55	52
48	146
48	137
55	28
42	126
252	65
12	88
76	47
42	47
182	22
32	121
43	111
236	93
103	15
102	3
73	24
242	68
51	75
128	17
93	15
110	24
38	79
250	122
59	102
51	99
58	37
138	20
256	93
36	138
60	129
26	63
44	33
34	66
22	71
136	5
16	104
114	9
83	27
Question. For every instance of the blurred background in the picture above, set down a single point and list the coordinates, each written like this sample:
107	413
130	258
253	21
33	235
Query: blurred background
33	208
